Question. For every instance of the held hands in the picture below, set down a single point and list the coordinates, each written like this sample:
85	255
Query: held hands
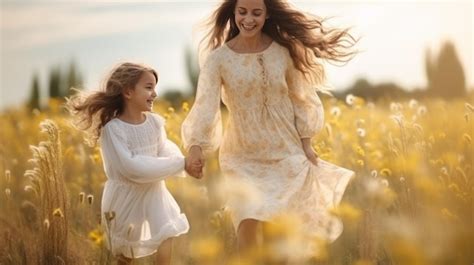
309	151
194	162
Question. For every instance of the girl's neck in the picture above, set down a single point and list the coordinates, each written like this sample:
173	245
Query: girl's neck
133	117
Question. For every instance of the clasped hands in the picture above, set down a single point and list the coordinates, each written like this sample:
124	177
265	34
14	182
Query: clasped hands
194	162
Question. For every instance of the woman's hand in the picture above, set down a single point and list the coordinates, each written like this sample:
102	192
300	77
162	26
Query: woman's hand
195	162
309	151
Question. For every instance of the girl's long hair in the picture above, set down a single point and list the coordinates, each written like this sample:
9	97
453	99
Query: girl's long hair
91	111
302	34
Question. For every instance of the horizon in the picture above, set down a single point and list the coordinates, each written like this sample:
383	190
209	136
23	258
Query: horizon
104	33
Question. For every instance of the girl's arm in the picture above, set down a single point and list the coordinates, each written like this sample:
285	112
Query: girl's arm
137	168
169	149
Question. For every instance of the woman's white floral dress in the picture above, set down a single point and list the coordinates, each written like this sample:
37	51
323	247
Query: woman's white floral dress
271	107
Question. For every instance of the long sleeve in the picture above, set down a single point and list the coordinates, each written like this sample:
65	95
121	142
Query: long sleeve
203	125
309	111
137	168
169	149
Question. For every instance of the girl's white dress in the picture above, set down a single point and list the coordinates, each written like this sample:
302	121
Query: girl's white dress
137	160
271	107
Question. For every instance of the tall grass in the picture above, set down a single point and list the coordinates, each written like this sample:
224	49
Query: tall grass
412	201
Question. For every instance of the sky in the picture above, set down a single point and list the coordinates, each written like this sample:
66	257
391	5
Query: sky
37	35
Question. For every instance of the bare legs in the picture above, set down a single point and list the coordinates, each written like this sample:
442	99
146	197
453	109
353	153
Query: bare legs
250	239
247	237
162	257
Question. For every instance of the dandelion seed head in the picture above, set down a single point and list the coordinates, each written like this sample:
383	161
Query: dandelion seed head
386	172
8	176
350	99
335	111
46	224
90	199
361	132
413	103
421	110
444	170
185	106
394	107
8	192
58	213
82	196
374	173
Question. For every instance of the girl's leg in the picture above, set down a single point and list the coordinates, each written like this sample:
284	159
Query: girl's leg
247	234
122	260
163	256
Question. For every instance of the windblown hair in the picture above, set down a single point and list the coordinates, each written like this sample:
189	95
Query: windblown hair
302	34
91	111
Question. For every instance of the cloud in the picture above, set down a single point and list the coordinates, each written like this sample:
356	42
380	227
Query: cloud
27	26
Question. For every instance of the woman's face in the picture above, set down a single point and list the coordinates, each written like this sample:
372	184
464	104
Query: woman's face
250	16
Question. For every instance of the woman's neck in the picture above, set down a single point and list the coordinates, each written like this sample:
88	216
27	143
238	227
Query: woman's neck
250	44
133	117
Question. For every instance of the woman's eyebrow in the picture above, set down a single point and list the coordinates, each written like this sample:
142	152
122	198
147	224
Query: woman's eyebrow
256	9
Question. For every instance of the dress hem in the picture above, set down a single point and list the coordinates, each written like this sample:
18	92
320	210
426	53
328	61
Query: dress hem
173	228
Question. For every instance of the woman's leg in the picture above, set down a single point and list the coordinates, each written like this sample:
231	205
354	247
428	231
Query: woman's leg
163	256
247	235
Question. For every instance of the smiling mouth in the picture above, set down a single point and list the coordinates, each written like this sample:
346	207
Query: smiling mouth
247	27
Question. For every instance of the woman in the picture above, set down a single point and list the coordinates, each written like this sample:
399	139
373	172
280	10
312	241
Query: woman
264	68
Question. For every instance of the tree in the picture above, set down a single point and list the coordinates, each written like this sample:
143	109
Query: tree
34	102
60	84
55	83
445	73
73	80
192	68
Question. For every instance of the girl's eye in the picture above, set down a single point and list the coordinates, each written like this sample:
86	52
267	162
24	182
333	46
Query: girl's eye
242	13
257	14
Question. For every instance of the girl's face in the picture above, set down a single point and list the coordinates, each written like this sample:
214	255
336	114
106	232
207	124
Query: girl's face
250	16
142	96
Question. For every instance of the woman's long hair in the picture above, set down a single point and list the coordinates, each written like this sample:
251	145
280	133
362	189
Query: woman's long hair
302	34
91	111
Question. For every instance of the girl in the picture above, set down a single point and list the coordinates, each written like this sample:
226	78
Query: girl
264	66
139	214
